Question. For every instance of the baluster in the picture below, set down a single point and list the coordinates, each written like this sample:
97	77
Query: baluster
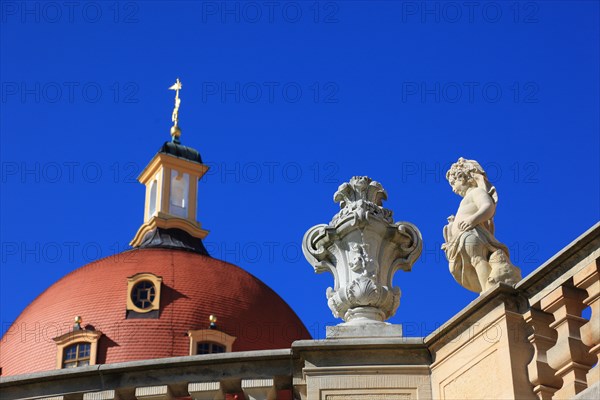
589	280
153	393
569	356
541	376
205	390
103	395
259	389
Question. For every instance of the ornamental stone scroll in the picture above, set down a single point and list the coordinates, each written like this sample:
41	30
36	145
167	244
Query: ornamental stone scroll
363	248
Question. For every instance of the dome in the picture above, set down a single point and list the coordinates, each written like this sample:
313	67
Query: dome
178	150
194	286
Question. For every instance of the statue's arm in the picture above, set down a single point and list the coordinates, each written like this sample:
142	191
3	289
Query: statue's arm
486	209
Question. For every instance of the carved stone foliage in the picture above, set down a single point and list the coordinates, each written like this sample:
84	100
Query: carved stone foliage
363	248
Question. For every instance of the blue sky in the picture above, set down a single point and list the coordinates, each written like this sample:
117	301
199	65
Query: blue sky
285	101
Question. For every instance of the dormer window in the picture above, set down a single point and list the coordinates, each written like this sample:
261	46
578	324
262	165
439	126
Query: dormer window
78	347
210	341
143	295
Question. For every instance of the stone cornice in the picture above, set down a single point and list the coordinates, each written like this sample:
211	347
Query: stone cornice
380	351
586	246
363	343
171	161
163	369
165	222
482	305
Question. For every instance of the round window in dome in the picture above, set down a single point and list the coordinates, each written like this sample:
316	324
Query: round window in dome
143	295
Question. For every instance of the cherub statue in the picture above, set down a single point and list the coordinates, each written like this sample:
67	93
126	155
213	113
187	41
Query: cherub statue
477	259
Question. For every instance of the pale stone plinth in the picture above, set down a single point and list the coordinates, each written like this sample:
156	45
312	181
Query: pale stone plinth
360	368
348	331
482	352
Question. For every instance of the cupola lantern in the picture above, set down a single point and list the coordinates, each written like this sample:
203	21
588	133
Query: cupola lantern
171	180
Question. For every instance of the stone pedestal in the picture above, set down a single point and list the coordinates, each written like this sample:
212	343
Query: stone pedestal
375	368
483	351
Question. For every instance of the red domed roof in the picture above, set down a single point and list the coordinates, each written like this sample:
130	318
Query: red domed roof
194	286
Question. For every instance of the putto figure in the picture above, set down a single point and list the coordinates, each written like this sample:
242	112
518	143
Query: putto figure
477	260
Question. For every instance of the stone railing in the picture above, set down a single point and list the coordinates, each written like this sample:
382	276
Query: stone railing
566	345
251	375
532	340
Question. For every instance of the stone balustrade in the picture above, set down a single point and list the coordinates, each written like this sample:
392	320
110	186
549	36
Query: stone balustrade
103	395
566	344
251	389
253	375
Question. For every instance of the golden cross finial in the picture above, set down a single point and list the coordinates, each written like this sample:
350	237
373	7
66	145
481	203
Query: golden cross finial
175	131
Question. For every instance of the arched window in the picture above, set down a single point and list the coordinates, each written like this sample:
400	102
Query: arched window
152	201
179	194
77	348
76	355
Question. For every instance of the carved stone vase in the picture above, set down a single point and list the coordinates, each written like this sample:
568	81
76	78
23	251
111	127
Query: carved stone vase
363	248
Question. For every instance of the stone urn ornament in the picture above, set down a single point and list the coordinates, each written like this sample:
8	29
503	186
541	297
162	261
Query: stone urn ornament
363	248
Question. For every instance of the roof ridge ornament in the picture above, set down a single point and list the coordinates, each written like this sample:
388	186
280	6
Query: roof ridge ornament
175	130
